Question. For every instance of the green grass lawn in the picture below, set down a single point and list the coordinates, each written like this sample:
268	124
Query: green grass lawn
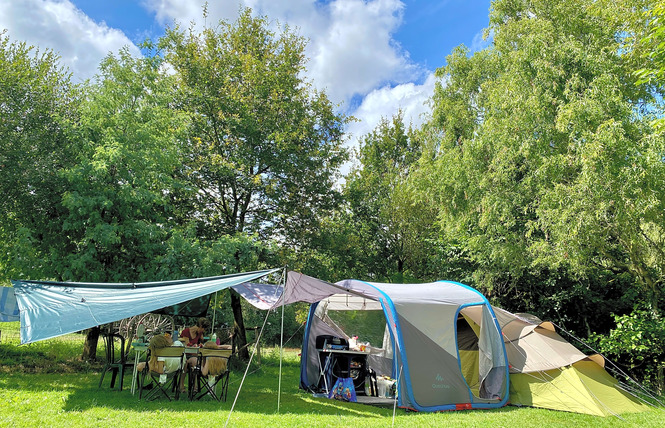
57	397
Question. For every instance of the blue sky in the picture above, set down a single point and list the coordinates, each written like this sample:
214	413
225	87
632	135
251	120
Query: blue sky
371	56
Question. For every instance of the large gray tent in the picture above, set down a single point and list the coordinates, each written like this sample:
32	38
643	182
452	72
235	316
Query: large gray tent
442	344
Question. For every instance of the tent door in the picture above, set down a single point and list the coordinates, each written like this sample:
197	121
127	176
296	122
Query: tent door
481	356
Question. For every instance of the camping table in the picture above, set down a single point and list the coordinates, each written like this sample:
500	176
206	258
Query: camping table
139	349
332	355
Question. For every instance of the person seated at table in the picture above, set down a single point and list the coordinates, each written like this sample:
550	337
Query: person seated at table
192	336
212	366
156	364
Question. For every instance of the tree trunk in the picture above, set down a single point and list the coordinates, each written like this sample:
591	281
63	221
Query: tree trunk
240	337
90	345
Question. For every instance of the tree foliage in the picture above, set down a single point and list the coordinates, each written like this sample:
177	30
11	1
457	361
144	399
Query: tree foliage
263	148
117	201
384	159
38	106
637	342
545	160
653	44
653	49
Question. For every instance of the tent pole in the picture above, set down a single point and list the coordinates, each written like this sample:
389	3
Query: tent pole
251	357
281	345
214	312
397	392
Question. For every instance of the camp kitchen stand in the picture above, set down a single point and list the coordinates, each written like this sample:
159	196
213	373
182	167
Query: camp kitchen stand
337	361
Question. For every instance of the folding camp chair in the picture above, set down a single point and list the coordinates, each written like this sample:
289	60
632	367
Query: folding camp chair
115	358
166	383
214	384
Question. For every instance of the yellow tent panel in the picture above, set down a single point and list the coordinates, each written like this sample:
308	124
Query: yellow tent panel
583	387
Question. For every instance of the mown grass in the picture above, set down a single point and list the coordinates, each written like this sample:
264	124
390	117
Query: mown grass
72	399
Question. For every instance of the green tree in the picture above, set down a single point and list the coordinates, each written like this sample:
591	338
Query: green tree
545	160
263	148
114	224
381	231
652	46
384	156
37	108
121	222
118	197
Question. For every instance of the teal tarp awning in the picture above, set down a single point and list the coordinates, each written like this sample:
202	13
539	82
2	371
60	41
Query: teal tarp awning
50	309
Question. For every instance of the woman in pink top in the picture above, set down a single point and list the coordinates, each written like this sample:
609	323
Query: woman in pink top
192	336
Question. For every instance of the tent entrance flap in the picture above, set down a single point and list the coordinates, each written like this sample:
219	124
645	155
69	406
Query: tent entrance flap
482	359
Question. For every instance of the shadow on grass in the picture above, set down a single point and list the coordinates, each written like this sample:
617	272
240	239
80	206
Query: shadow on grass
258	395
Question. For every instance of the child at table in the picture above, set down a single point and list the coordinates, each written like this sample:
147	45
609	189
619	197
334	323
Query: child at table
156	364
212	366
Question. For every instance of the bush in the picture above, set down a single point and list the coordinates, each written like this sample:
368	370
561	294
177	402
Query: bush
637	343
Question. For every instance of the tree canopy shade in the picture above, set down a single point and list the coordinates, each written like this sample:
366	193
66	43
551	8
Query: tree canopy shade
263	148
653	46
545	157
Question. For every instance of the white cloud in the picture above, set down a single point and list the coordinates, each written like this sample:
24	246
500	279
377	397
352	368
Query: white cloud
351	50
355	53
385	102
186	12
61	27
352	53
479	41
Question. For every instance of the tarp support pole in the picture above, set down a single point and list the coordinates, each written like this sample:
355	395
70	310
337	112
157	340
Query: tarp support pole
251	357
281	345
214	312
397	392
